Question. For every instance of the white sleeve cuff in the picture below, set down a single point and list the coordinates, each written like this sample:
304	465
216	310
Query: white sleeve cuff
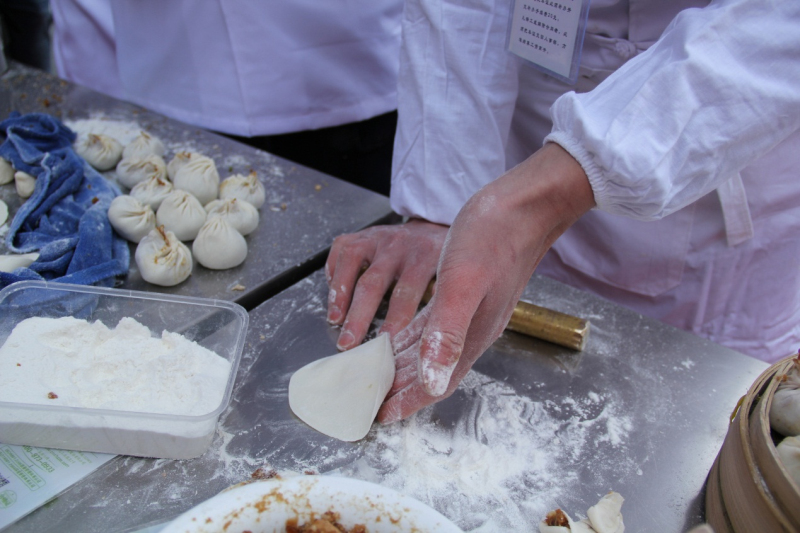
569	143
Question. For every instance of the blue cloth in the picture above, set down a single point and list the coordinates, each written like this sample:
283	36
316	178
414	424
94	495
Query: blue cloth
66	217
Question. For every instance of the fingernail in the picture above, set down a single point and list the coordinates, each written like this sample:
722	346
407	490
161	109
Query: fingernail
346	340
436	377
334	314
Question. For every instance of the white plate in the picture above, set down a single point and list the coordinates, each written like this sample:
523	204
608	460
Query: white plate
265	506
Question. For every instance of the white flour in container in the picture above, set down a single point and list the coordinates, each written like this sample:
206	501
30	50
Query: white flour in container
71	362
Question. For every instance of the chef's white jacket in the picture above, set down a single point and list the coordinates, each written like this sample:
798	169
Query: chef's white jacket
690	140
245	68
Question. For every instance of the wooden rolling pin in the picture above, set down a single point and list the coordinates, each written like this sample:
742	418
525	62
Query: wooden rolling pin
542	323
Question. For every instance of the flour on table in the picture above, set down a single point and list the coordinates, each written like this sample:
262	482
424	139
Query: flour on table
71	362
503	465
123	132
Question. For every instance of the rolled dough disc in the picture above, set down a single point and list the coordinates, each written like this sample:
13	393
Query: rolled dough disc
3	212
340	395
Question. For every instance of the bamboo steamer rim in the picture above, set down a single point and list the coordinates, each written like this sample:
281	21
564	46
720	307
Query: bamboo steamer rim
746	502
749	503
716	516
783	487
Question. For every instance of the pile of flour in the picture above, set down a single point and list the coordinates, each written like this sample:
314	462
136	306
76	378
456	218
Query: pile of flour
505	463
71	362
123	132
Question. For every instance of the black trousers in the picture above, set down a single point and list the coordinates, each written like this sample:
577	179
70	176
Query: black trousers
26	31
358	152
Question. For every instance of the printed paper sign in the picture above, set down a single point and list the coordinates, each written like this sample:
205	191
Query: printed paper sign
549	34
29	476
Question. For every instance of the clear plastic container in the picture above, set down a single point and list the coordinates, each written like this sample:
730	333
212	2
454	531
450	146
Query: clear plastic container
216	325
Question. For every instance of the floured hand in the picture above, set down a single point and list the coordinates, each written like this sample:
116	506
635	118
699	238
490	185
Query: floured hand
491	250
405	254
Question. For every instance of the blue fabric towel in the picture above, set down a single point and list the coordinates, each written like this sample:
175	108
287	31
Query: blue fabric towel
66	217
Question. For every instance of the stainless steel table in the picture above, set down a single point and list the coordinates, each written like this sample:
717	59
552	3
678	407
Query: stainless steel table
305	209
643	411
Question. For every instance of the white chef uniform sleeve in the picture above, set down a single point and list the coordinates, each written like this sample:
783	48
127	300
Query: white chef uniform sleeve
456	93
719	89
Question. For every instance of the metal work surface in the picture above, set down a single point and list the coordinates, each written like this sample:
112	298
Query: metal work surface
304	211
643	410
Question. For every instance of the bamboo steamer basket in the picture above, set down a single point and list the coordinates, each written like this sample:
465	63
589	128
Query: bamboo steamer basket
715	507
748	489
783	487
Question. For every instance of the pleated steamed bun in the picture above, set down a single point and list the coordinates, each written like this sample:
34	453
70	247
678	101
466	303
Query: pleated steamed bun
199	177
163	259
152	191
132	219
182	214
241	187
138	168
218	245
143	145
178	161
241	215
99	150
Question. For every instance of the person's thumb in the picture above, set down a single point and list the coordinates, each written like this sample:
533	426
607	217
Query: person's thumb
443	338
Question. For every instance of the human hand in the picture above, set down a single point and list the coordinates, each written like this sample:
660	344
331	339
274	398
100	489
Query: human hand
405	254
490	253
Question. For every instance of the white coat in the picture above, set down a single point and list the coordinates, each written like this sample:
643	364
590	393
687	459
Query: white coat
244	68
714	104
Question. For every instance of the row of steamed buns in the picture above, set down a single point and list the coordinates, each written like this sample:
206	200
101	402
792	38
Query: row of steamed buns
170	203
